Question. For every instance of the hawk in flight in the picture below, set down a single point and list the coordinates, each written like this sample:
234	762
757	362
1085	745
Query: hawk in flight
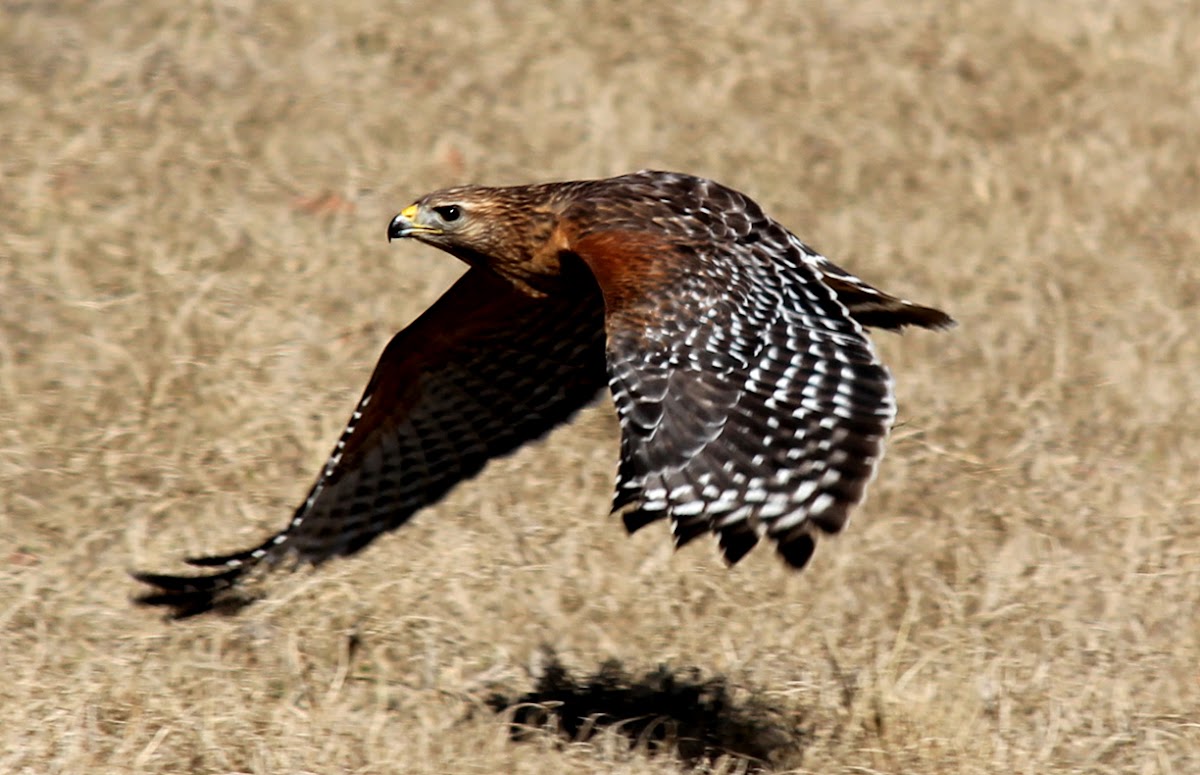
750	401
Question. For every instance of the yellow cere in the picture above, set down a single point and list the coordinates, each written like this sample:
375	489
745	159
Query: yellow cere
409	213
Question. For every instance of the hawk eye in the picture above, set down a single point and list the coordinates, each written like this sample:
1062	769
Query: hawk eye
448	213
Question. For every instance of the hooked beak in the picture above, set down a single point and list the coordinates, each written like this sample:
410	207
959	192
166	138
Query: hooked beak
405	225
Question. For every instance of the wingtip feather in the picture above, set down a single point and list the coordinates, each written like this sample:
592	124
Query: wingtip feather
189	596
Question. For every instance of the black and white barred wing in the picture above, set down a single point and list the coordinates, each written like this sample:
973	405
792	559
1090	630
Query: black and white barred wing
484	370
750	402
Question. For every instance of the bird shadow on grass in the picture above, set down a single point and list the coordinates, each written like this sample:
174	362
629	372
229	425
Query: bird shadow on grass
664	711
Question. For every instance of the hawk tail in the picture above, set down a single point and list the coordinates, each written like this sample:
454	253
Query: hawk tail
873	308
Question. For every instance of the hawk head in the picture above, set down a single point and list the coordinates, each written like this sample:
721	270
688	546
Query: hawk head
505	230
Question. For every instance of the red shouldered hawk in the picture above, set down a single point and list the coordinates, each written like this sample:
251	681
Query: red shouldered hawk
750	401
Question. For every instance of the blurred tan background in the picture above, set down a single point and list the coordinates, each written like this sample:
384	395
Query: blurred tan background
195	282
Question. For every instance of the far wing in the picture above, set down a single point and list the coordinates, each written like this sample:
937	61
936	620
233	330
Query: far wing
481	372
750	401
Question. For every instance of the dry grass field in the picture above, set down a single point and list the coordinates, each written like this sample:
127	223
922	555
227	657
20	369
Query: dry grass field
195	283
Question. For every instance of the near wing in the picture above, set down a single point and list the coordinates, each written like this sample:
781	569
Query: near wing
750	402
482	371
